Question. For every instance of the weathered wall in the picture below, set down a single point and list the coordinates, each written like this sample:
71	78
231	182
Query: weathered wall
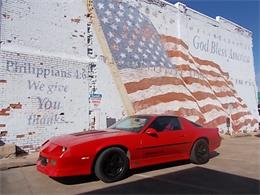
65	68
39	98
49	73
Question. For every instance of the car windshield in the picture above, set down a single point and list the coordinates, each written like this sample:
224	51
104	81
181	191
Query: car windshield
131	123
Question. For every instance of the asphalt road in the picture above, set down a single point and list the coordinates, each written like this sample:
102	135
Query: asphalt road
233	169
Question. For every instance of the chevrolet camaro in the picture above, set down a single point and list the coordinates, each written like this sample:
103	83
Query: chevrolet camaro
133	142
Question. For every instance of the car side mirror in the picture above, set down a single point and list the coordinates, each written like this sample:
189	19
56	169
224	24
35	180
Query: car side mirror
152	132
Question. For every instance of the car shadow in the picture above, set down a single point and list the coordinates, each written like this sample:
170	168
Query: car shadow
73	180
195	180
165	165
213	154
158	167
90	178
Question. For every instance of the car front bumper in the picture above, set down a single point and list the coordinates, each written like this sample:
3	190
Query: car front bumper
62	166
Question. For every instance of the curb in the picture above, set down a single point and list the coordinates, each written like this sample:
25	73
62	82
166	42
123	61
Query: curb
16	166
10	163
240	135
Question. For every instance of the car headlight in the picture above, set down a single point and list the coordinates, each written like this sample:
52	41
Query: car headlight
63	149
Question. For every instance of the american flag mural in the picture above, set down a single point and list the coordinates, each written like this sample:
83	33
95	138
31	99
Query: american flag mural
160	74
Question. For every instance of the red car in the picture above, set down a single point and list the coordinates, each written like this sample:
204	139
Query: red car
133	142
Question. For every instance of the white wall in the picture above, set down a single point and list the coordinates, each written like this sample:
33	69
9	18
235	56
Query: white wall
47	48
44	69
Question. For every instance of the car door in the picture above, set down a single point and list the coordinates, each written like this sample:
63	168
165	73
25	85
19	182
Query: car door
167	143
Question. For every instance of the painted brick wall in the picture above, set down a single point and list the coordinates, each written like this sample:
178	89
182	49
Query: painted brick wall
55	78
41	96
50	66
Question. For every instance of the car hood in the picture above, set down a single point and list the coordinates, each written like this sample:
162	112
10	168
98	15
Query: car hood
86	136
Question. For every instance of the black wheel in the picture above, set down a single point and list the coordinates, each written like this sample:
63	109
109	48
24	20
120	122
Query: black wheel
200	152
111	165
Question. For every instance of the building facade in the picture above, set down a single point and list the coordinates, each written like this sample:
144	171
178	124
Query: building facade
69	66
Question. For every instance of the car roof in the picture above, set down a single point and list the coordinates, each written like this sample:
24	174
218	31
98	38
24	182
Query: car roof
156	115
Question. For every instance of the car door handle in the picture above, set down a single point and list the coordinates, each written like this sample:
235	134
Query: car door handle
182	135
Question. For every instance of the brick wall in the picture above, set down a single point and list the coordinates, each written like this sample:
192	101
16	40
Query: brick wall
41	96
55	79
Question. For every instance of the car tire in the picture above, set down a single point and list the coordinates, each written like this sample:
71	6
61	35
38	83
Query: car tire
200	152
111	165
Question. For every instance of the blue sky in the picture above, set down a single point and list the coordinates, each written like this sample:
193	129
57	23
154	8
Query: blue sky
246	13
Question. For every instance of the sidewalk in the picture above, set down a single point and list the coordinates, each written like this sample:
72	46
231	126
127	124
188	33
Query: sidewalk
236	135
28	160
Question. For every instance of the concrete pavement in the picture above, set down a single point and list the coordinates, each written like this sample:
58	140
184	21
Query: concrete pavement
234	169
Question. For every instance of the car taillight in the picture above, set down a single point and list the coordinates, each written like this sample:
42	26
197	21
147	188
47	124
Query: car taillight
218	132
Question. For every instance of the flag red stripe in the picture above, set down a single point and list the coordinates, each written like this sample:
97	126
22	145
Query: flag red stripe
225	94
242	124
210	107
164	98
203	95
146	83
209	63
239	115
186	67
190	80
215	122
210	72
234	105
165	38
172	53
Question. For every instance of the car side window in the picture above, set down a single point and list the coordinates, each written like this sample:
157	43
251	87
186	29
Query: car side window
164	123
175	123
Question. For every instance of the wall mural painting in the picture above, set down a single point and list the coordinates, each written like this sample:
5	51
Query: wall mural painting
160	75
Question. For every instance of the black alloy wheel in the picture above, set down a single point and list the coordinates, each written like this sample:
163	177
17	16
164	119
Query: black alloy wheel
111	165
200	152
